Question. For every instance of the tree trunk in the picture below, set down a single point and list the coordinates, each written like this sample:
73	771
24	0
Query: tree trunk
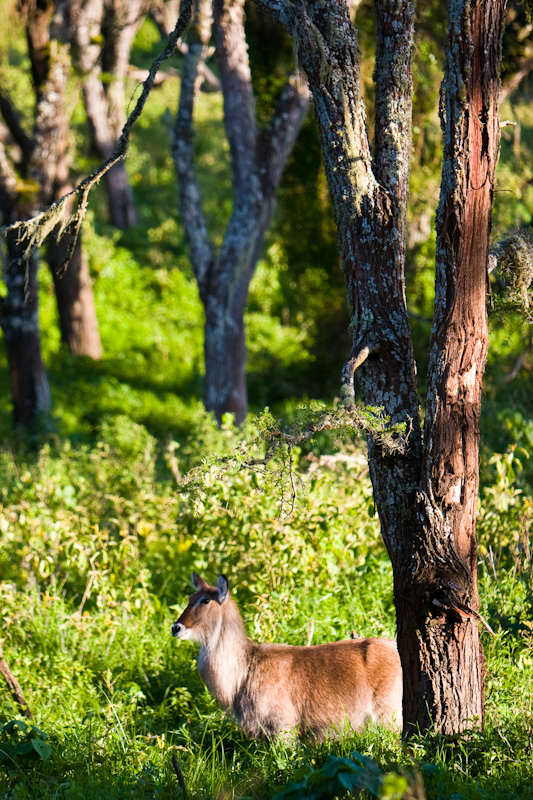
19	315
447	647
225	357
88	25
224	296
426	498
258	159
75	298
20	324
122	20
49	164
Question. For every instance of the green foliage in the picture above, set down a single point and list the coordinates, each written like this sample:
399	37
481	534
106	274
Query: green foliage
97	547
339	776
102	523
22	740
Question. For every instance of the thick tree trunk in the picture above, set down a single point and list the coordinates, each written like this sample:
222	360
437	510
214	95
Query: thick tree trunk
426	498
447	648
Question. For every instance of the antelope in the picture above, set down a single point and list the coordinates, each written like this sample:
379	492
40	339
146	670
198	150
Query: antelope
275	689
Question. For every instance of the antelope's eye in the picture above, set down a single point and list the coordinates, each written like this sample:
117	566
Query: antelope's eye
206	600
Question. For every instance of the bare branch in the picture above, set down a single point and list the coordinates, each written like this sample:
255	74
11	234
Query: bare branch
357	357
513	83
14	687
12	120
179	775
164	13
36	229
239	102
279	136
191	207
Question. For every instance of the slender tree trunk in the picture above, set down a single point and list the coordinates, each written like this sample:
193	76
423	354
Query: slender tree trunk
122	21
72	283
119	195
258	159
75	299
49	163
225	356
224	298
20	324
104	120
19	315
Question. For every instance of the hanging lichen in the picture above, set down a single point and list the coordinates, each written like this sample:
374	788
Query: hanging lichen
511	260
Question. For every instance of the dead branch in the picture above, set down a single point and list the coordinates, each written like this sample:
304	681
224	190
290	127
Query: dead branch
14	687
179	774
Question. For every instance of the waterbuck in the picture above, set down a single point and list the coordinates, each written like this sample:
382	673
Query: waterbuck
275	688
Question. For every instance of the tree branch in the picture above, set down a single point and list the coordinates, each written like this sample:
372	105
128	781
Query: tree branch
14	687
239	102
163	13
278	137
12	120
357	357
513	83
191	207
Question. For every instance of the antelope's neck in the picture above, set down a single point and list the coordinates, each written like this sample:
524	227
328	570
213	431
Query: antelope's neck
224	660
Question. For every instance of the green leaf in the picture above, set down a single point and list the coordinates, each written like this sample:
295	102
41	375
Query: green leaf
42	748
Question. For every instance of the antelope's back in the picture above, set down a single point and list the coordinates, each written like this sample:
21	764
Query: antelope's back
355	681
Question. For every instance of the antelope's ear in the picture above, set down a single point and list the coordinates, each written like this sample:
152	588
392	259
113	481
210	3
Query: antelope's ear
198	582
222	585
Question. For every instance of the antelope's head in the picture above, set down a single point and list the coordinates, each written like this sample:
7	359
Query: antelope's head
203	616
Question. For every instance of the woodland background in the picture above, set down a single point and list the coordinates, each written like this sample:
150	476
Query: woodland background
100	526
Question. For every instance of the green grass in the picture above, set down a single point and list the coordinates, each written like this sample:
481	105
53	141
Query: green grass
97	550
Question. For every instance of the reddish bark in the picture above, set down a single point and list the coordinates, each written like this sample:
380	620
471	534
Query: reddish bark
426	498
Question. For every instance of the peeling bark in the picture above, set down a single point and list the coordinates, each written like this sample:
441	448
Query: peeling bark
258	158
458	349
426	498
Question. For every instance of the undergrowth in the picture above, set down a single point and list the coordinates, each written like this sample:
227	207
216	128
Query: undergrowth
97	548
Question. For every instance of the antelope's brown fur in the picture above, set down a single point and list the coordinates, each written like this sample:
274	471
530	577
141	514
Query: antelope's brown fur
272	688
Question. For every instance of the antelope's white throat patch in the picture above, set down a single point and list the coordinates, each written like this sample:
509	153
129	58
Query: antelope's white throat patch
185	633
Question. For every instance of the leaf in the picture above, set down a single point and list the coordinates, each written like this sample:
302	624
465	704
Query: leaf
334	764
42	748
15	723
23	748
352	781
